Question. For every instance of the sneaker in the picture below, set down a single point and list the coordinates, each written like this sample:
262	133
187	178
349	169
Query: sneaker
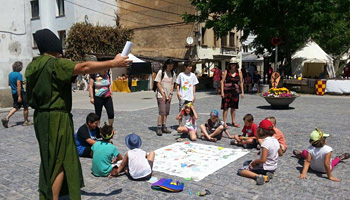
268	176
27	123
344	156
260	180
5	122
159	131
165	129
297	153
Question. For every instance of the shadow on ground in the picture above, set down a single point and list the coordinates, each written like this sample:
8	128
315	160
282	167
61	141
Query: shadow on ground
270	108
114	192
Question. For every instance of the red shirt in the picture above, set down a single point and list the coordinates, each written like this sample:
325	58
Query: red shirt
251	130
217	74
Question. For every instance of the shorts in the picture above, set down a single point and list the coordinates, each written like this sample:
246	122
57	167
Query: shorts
217	84
145	178
163	107
24	102
250	146
87	152
218	137
258	169
182	103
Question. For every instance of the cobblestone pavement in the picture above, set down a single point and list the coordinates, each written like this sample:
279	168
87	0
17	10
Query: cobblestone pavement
19	155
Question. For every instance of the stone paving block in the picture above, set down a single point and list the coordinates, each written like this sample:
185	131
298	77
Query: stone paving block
20	160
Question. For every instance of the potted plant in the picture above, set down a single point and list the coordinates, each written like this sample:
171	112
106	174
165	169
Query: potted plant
279	97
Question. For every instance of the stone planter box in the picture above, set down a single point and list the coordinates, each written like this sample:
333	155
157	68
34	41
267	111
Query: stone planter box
277	102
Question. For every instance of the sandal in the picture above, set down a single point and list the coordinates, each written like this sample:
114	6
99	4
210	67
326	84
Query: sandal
344	156
213	139
297	153
234	142
203	193
236	125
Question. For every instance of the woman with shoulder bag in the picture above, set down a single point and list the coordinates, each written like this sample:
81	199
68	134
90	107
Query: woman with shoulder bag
165	80
230	82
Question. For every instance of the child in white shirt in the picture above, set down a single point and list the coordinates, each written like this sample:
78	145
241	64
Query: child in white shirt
190	116
318	156
186	87
136	162
263	169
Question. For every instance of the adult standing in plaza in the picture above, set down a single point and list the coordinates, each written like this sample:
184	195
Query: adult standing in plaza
49	79
165	86
230	83
18	94
101	95
186	87
217	78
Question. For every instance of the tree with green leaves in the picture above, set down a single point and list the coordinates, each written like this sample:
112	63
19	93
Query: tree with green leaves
88	39
294	21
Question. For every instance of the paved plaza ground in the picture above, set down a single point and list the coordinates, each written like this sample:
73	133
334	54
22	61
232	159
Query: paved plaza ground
137	112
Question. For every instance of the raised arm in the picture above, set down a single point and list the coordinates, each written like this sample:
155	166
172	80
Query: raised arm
194	112
91	67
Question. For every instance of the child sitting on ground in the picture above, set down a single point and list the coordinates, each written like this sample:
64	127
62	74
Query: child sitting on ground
212	130
87	135
278	134
136	163
105	154
318	156
263	169
190	116
249	133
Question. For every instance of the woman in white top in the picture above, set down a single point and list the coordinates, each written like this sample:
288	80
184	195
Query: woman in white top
136	162
165	80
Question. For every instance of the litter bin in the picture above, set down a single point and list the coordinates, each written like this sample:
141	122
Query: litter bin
263	88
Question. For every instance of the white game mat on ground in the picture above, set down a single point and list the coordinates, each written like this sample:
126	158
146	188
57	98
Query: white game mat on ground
192	160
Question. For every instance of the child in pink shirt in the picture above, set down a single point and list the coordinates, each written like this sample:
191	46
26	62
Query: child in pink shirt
278	134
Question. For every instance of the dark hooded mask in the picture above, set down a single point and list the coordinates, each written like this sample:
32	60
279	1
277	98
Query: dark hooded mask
47	41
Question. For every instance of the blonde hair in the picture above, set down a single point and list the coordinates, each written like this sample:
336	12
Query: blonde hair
272	119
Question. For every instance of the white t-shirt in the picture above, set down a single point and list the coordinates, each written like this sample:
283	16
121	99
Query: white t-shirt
166	82
272	146
186	82
138	164
317	157
190	122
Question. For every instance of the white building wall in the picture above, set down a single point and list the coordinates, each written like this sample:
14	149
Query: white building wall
17	28
15	43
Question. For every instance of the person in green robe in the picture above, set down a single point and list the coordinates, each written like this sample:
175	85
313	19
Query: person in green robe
49	78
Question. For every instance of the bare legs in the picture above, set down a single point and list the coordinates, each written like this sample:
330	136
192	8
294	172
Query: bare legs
192	133
233	116
111	121
57	184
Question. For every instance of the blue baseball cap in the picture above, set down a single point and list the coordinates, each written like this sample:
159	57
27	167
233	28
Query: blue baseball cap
214	113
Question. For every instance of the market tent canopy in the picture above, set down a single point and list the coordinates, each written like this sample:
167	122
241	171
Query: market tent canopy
139	66
310	61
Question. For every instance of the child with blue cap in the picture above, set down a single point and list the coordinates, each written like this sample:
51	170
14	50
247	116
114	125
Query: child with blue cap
136	163
213	129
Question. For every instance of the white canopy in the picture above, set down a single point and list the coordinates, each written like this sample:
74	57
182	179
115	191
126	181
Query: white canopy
310	61
135	59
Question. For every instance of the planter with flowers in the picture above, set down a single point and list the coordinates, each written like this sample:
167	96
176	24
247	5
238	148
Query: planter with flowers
279	97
